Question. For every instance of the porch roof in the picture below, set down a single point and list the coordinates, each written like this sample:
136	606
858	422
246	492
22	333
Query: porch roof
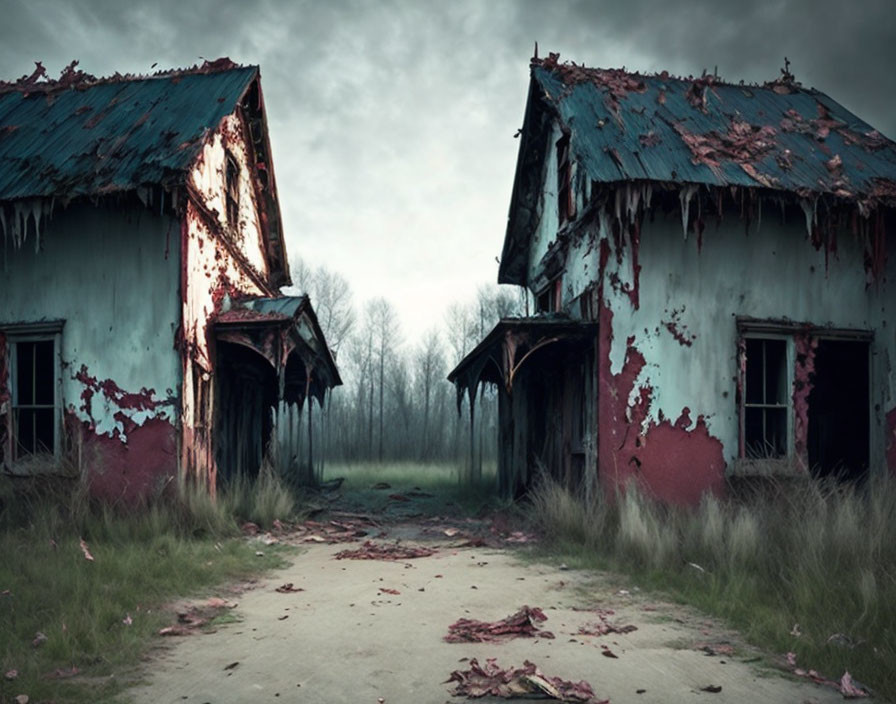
502	352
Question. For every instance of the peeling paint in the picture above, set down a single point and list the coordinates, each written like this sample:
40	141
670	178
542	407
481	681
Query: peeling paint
804	370
673	462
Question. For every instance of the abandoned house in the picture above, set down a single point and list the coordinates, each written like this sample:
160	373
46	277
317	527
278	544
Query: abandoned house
713	293
142	334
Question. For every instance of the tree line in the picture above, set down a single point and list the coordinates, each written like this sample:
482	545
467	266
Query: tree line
396	404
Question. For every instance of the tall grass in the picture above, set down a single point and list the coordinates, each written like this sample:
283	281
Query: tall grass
805	567
100	615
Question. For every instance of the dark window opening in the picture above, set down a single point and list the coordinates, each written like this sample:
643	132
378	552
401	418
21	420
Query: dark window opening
838	433
766	398
233	190
566	198
550	298
34	399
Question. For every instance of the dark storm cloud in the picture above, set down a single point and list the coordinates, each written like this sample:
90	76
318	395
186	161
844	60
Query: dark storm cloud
392	122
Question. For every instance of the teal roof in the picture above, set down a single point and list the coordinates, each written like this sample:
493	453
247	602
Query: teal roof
633	127
110	135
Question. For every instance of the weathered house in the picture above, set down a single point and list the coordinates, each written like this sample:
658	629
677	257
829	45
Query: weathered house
714	294
142	333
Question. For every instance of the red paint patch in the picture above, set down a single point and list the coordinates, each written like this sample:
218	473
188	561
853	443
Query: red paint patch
127	472
669	462
804	371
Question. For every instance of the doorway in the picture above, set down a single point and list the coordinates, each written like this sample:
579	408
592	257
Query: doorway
838	433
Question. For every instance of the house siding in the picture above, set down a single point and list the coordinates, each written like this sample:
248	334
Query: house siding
668	309
112	274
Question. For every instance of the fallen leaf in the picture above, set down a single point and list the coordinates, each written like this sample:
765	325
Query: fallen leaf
175	631
11	674
516	682
398	497
87	555
22	699
851	689
64	673
386	590
217	602
376	551
232	666
522	623
283	617
127	620
451	532
39	639
714	688
607	653
288	588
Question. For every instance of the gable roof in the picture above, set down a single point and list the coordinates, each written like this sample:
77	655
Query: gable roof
628	127
81	136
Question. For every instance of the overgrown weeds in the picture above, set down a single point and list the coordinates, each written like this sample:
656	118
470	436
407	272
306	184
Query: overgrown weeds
83	585
807	567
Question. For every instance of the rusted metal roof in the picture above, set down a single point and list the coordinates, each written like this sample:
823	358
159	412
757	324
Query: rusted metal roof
627	126
81	136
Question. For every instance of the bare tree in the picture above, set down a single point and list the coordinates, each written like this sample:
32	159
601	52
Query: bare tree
382	317
331	296
429	371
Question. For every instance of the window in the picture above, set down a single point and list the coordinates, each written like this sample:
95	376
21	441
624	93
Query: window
34	387
233	190
566	197
550	298
766	397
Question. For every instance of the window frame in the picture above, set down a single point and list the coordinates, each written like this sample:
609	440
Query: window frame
33	332
789	362
566	196
232	178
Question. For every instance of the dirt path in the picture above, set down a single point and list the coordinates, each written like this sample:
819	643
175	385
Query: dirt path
344	639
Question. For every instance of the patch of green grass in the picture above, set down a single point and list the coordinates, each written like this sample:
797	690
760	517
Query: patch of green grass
449	494
814	554
101	615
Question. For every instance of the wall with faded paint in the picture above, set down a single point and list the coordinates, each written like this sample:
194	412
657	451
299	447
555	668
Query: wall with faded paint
548	217
209	179
668	337
218	263
113	276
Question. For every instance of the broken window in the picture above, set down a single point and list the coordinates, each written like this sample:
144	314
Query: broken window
566	197
34	378
766	398
549	299
233	190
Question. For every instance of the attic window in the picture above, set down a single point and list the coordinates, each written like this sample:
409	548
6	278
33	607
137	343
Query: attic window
566	200
233	190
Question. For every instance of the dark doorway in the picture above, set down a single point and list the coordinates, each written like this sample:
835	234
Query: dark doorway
838	410
246	394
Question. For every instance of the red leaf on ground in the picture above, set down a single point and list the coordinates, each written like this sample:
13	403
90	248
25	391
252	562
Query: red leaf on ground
376	551
607	653
514	682
386	590
603	627
523	624
851	689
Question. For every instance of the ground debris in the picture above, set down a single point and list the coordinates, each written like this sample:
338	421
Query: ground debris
603	627
715	648
847	686
523	624
342	531
288	588
195	616
526	681
379	551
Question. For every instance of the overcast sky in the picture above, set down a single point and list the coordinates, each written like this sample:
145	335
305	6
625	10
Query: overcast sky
392	122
